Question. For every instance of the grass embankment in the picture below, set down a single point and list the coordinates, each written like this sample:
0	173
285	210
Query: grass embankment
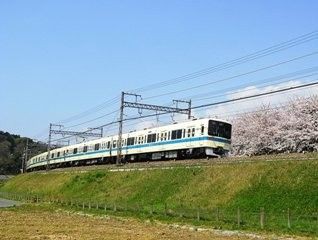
274	186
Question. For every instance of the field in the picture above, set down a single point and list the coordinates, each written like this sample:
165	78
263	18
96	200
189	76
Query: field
43	222
272	196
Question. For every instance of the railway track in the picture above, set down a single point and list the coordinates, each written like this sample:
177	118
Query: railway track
189	163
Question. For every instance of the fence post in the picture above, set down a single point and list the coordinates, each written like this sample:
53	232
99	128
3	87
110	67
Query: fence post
138	208
262	217
165	209
115	208
89	205
217	214
83	206
181	213
198	214
97	206
238	217
105	208
288	218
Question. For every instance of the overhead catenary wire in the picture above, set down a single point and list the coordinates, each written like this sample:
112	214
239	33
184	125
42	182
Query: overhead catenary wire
95	109
235	76
257	95
250	57
256	55
261	53
211	104
291	75
92	120
262	86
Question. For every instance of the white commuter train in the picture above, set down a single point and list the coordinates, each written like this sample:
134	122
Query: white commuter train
195	138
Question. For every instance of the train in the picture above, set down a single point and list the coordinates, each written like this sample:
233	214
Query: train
195	138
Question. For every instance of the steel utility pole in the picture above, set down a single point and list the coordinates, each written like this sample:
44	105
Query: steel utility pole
25	156
121	119
49	149
120	130
140	106
69	133
184	101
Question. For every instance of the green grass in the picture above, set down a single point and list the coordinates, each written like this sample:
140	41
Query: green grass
274	186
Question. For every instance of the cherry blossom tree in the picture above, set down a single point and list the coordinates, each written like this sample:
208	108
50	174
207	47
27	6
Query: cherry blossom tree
289	128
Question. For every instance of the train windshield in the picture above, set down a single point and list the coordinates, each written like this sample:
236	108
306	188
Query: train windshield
219	129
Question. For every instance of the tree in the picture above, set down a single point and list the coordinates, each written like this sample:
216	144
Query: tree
289	128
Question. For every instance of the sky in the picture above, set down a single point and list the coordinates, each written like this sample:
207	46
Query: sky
59	59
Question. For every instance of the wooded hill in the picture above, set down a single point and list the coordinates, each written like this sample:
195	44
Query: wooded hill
11	151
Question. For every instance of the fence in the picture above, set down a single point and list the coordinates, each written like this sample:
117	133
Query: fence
285	220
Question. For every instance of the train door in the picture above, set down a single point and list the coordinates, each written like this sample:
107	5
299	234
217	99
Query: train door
190	134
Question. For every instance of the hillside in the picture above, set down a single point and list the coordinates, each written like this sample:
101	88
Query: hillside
11	150
273	185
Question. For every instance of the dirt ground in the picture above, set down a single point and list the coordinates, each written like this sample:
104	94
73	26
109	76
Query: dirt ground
40	223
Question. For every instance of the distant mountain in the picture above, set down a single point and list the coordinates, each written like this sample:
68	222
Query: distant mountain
11	150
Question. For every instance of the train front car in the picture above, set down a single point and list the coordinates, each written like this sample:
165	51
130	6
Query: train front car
219	138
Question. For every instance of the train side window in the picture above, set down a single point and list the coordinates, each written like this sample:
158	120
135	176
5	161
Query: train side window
130	141
52	155
183	133
189	132
108	145
85	149
169	135
74	150
97	145
58	154
202	130
176	134
151	138
114	144
193	132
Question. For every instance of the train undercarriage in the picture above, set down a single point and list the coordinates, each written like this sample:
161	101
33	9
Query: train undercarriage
180	154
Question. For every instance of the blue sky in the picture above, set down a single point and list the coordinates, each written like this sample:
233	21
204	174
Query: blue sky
60	58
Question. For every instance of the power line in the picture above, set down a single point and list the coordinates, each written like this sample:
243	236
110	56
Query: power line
233	77
212	104
262	53
92	120
257	95
299	73
91	110
256	55
263	86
